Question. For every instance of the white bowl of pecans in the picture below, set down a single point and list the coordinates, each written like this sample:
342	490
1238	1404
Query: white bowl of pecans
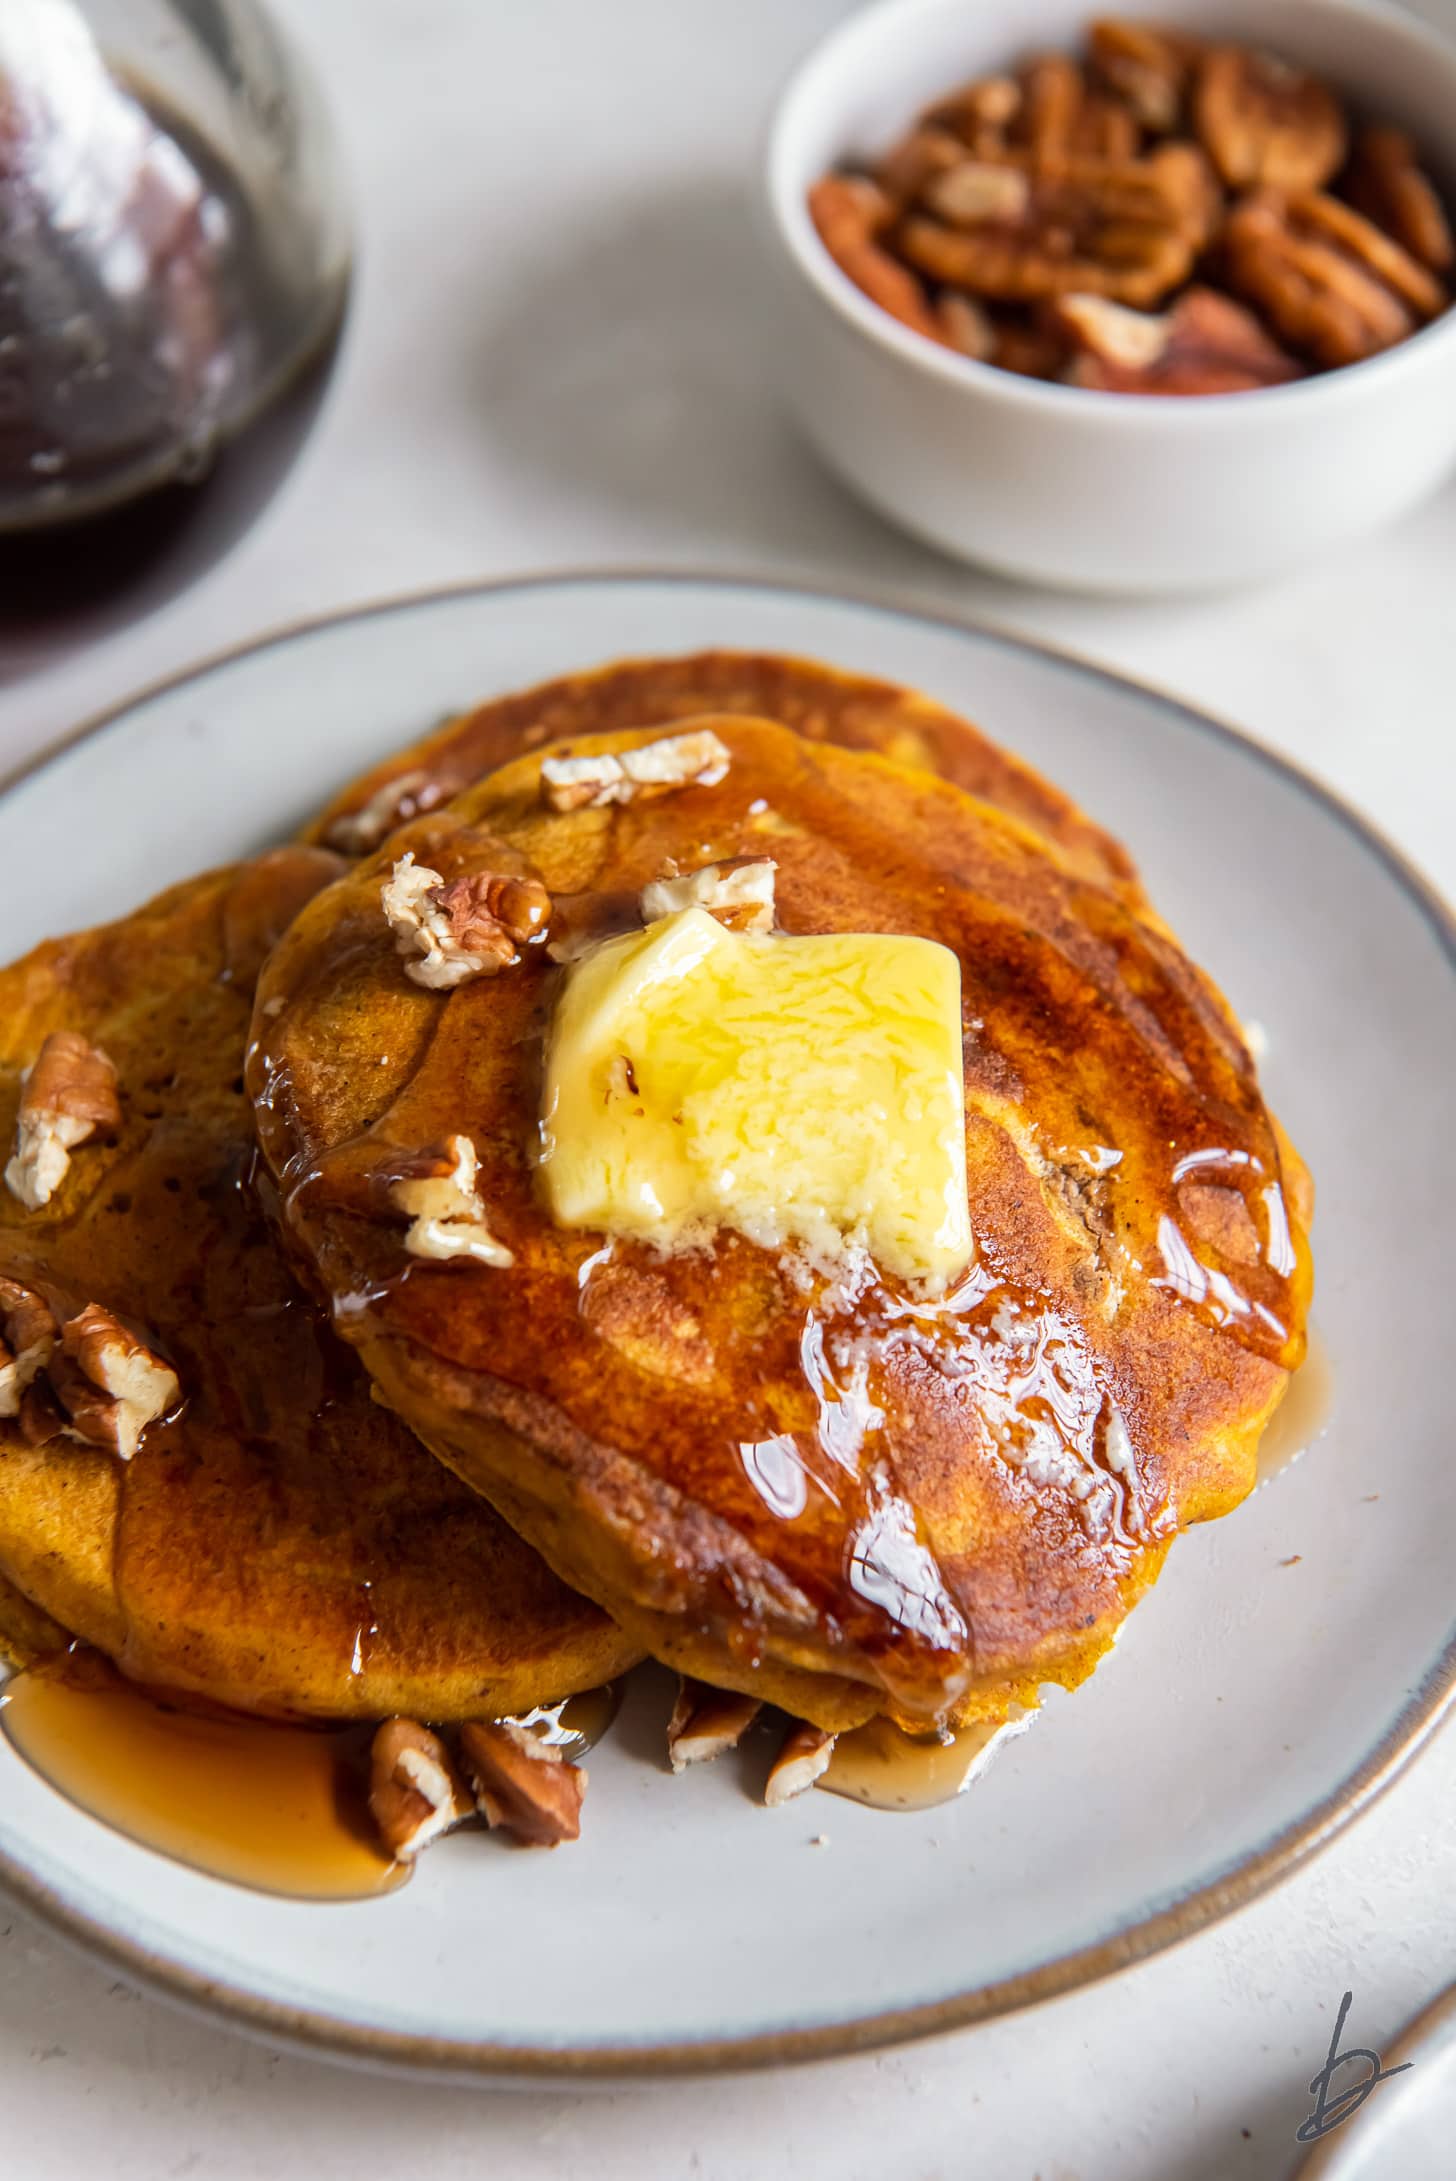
1148	303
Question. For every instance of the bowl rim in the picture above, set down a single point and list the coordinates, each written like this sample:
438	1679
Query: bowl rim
787	211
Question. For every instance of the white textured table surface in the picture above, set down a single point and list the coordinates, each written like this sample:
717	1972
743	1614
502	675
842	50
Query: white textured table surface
559	354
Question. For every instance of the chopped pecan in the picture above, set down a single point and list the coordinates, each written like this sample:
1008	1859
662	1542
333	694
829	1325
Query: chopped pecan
1206	344
29	1338
1051	108
915	161
522	1785
979	113
850	214
1027	344
440	1198
409	795
447	934
705	1722
977	193
415	1791
740	894
1092	226
1147	66
695	759
110	1384
1331	283
1106	129
965	325
1264	123
1192	188
69	1095
1386	184
804	1756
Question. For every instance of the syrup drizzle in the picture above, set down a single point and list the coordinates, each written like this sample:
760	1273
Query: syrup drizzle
883	1767
1302	1416
280	1807
277	1807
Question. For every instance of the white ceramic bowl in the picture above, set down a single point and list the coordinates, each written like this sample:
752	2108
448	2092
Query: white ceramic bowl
1111	492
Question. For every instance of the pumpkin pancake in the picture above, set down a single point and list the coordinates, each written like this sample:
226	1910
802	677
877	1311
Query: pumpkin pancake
834	1484
279	1542
856	711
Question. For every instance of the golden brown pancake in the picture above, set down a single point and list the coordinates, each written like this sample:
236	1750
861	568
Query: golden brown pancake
988	1479
282	1544
855	711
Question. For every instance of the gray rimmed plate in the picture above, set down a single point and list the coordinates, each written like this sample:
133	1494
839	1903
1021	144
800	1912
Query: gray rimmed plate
1289	1661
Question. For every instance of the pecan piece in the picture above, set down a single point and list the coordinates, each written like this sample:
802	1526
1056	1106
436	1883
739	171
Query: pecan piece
910	165
1264	123
979	113
69	1095
447	934
415	1791
805	1754
1329	281
738	894
409	795
1386	184
1092	226
28	1341
1147	66
705	1722
440	1198
850	214
1051	108
695	759
965	325
101	1385
1206	344
522	1785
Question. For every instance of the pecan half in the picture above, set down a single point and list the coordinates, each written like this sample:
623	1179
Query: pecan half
805	1754
1264	123
1206	344
522	1785
740	894
850	214
696	759
441	1200
1094	226
447	934
69	1095
705	1722
415	1791
1387	184
1327	278
1147	66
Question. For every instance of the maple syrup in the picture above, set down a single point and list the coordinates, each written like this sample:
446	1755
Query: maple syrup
577	1723
885	1768
281	1808
1302	1415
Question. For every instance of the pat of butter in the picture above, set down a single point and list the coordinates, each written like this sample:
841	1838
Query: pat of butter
797	1089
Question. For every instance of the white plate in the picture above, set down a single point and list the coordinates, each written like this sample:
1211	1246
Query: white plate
1253	1706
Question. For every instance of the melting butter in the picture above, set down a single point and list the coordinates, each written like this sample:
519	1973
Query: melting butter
795	1088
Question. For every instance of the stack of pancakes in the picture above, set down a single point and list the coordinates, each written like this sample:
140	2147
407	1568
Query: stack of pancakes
453	1487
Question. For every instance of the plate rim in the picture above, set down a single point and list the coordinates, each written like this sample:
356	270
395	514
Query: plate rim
1413	1727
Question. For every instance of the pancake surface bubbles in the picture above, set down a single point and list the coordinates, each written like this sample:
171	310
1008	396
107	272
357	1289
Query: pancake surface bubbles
283	1544
816	1481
